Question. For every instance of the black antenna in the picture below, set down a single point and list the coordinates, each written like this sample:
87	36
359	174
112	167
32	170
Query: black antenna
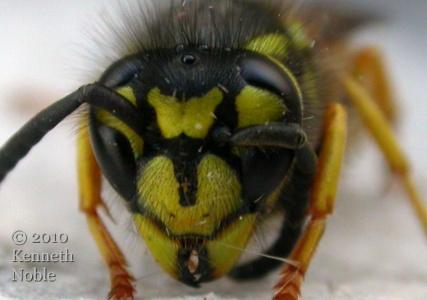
35	129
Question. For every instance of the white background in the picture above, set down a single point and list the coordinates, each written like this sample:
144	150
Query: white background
373	248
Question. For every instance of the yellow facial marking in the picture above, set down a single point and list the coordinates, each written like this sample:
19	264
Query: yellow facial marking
256	107
225	250
272	44
193	117
218	195
218	188
164	249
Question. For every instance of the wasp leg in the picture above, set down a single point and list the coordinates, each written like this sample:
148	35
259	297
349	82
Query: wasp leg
321	205
377	124
294	201
294	197
282	247
89	178
370	71
297	195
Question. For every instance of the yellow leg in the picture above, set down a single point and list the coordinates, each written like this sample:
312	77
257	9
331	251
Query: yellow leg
369	70
89	178
321	205
378	125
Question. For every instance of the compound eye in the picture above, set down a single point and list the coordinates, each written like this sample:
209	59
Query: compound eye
264	73
121	72
115	157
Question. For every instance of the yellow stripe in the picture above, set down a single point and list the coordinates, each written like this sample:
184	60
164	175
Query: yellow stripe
134	139
112	121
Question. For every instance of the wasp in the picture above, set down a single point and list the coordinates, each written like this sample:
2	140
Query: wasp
215	116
